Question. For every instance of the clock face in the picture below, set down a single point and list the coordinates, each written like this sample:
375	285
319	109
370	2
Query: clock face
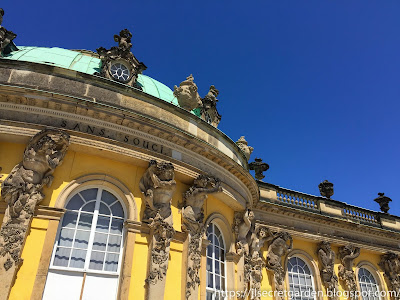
120	72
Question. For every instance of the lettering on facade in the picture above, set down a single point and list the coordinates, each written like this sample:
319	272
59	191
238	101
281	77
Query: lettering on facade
118	136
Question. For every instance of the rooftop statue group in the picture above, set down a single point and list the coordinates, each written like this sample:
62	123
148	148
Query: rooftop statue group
6	38
189	99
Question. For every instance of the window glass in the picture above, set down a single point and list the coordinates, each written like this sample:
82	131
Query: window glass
215	263
368	286
300	280
91	235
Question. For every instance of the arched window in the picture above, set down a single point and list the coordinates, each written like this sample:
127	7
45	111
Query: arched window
216	278
368	286
88	248
301	281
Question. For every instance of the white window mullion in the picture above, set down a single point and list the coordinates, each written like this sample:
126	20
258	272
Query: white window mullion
93	229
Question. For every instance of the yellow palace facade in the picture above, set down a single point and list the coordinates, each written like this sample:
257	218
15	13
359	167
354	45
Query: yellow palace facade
113	186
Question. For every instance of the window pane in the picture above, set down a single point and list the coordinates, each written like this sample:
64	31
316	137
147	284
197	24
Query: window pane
209	264
117	210
209	295
217	267
62	256
66	237
111	262
210	282
108	198
216	253
69	219
102	224
217	282
89	194
77	258
222	269
104	210
75	203
114	243
85	221
89	207
99	242
81	239
116	226
96	260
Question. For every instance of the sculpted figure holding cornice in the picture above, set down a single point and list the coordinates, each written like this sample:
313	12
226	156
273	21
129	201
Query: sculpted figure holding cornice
390	264
347	255
22	189
241	228
158	186
253	260
327	258
194	198
187	95
192	222
278	249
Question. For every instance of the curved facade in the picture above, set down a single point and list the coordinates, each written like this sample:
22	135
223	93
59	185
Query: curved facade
120	188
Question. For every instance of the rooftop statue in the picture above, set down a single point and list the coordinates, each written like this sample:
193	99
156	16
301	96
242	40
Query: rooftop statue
6	37
243	145
119	63
209	107
187	95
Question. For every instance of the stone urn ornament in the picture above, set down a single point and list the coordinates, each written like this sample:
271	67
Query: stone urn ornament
259	167
326	189
383	202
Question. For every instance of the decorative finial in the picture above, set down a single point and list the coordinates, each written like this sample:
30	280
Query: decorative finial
119	63
259	167
326	189
383	202
243	145
187	95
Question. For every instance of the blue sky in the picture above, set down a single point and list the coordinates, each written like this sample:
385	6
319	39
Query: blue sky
313	85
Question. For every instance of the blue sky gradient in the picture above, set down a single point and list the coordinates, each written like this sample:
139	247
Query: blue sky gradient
313	85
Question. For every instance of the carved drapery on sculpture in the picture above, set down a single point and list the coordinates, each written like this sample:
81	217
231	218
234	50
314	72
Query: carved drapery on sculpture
244	146
192	222
327	259
22	190
158	186
346	274
390	264
6	38
277	250
187	95
118	63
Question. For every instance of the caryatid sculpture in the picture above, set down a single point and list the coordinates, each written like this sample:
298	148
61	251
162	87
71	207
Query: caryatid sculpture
390	264
187	95
22	191
347	255
241	228
277	250
327	258
158	186
192	222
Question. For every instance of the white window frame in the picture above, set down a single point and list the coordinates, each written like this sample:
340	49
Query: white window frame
314	291
214	290
377	281
86	269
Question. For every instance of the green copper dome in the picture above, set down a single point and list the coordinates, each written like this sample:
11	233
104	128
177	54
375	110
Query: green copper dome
85	63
